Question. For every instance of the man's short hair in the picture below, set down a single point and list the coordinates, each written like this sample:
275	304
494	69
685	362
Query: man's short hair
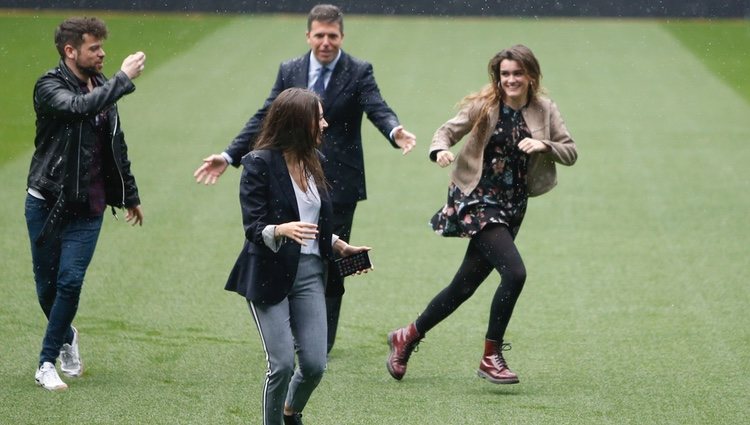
326	13
71	31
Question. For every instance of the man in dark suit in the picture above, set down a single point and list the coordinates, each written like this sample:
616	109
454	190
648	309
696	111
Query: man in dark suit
348	89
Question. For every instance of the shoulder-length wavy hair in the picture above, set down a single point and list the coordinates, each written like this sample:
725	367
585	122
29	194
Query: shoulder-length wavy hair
292	126
493	93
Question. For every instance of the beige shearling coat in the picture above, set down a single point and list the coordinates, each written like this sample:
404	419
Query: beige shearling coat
543	120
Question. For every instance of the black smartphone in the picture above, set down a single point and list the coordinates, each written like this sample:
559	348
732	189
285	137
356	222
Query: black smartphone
352	264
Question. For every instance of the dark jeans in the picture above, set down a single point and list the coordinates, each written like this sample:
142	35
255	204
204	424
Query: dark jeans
343	216
59	267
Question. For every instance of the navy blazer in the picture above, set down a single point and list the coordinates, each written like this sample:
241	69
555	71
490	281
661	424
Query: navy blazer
351	91
267	197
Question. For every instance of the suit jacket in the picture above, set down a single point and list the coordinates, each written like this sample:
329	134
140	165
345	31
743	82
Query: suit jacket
267	197
545	123
351	91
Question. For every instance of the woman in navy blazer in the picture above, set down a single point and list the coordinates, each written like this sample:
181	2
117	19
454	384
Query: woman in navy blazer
286	212
349	93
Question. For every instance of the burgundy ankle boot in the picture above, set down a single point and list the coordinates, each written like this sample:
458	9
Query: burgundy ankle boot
402	342
493	367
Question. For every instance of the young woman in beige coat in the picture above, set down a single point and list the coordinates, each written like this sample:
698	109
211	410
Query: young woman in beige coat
513	138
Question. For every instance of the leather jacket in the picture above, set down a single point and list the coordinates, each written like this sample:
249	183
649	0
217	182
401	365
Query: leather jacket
65	137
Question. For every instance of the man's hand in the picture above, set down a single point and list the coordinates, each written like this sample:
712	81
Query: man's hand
212	168
404	139
133	65
135	215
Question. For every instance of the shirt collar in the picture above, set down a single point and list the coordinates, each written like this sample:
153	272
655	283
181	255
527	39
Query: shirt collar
315	65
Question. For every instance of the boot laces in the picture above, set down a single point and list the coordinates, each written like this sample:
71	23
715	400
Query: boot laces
499	348
411	346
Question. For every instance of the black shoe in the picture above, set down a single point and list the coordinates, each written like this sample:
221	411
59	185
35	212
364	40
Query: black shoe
295	419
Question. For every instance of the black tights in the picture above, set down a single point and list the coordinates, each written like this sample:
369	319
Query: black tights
491	248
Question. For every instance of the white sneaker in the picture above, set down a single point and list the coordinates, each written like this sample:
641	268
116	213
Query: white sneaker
70	359
46	377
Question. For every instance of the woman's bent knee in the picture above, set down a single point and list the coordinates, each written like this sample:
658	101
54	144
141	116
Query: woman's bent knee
313	370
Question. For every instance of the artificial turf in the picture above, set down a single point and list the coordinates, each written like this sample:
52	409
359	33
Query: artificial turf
634	306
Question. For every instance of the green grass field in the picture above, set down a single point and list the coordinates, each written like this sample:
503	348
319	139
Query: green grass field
634	311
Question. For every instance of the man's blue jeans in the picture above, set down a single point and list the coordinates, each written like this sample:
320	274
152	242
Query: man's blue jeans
59	267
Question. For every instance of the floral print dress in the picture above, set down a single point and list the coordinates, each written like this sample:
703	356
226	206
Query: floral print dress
501	195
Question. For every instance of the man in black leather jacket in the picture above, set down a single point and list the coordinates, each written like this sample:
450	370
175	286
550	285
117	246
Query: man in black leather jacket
80	165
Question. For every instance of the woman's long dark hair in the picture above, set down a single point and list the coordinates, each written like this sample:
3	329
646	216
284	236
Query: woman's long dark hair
292	126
